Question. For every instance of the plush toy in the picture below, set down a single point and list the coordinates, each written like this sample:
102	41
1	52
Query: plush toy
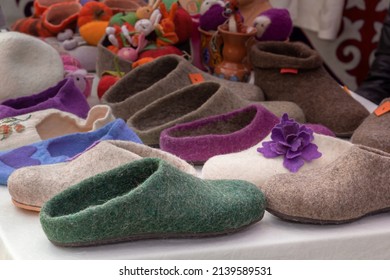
167	35
212	17
207	4
183	25
93	11
81	78
131	54
93	20
273	25
146	11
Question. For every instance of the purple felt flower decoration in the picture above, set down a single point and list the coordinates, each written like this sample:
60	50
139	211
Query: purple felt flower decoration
292	141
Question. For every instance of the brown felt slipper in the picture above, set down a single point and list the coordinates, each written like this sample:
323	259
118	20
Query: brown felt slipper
192	103
294	72
169	73
375	130
30	187
353	186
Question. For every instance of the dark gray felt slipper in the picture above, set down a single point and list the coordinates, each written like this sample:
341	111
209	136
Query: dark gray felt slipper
156	79
195	102
147	199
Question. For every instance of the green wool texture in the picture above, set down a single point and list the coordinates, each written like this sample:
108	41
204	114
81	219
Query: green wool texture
149	198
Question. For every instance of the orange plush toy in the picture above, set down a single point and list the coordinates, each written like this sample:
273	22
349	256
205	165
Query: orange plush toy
166	27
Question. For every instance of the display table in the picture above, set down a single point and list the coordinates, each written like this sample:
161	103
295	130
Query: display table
21	237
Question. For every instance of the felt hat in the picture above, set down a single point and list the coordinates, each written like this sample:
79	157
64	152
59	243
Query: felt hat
375	130
252	166
146	199
160	77
191	103
28	65
64	96
32	186
61	149
353	186
291	71
232	132
50	123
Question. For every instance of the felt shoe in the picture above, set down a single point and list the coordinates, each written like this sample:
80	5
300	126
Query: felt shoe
146	199
375	130
64	96
61	16
41	125
23	70
294	72
252	166
124	6
353	186
156	79
32	26
62	148
40	6
32	186
192	103
235	131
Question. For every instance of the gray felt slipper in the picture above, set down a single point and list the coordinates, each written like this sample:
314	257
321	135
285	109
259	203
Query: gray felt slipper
195	102
156	79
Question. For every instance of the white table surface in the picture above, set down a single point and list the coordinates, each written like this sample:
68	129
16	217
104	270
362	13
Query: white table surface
21	237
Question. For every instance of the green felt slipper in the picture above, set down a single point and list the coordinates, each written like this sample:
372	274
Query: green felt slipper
149	198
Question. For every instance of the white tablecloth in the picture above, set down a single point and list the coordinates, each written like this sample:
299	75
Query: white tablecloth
21	237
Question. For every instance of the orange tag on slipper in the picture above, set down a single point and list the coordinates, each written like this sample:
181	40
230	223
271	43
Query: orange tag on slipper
346	89
288	71
382	109
196	78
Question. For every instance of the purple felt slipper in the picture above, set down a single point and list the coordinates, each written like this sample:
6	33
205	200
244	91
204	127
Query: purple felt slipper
199	140
64	96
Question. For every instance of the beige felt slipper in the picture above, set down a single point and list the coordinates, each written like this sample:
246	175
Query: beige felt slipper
353	186
30	187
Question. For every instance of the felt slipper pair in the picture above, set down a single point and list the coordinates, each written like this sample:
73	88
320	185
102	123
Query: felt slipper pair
195	102
50	123
62	148
64	96
32	186
164	75
145	199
